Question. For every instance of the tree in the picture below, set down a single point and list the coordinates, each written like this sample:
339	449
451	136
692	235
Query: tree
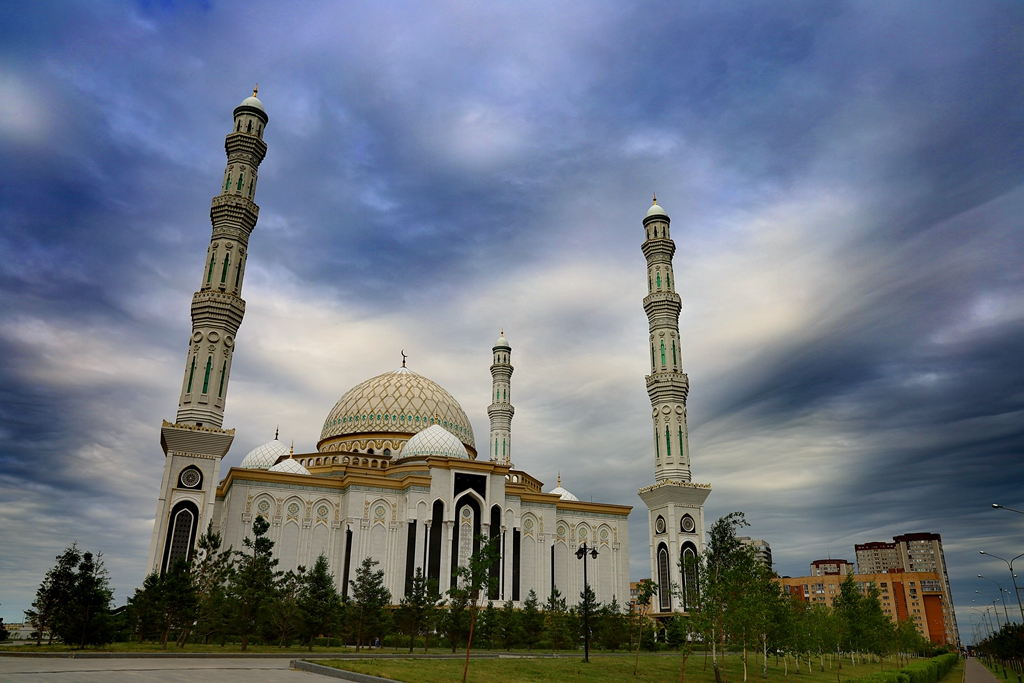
509	625
556	621
211	569
370	599
588	604
492	618
477	580
284	618
455	619
253	581
53	592
532	620
415	608
646	589
612	631
318	601
84	617
166	602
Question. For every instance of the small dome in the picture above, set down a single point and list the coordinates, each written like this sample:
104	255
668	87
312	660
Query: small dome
291	466
656	210
263	457
435	440
502	341
562	493
252	102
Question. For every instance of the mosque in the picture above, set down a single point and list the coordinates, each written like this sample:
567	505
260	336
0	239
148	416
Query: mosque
397	475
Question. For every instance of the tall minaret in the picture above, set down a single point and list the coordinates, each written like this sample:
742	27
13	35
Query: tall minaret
667	385
195	443
501	411
675	505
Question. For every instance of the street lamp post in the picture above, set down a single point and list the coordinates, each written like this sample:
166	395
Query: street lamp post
996	606
1009	563
997	506
582	553
1001	596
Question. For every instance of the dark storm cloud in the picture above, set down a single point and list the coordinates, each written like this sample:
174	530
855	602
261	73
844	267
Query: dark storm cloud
844	181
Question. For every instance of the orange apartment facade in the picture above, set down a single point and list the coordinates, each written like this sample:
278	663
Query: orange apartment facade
917	596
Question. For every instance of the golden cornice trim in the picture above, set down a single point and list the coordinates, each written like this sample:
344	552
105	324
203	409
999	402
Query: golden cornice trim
675	482
341	483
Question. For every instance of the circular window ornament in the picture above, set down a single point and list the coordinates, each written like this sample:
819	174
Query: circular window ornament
322	511
293	509
604	534
688	524
466	513
190	478
659	525
263	506
583	532
528	524
561	530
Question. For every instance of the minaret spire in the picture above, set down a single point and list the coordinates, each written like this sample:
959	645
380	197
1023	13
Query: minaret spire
501	411
217	308
667	385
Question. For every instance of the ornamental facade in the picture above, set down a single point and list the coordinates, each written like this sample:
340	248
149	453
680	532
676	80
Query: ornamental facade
397	475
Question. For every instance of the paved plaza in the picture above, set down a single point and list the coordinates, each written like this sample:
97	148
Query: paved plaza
150	670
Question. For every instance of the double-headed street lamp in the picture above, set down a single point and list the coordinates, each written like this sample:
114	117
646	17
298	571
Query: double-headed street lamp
1009	563
1001	596
582	553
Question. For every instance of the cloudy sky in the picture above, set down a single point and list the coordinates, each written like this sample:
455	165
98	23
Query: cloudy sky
846	192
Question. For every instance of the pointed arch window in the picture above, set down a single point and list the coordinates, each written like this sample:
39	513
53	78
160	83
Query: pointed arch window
662	353
658	280
250	187
238	128
668	280
681	450
223	373
503	448
657	445
206	379
248	128
227	183
191	375
674	352
668	443
238	270
664	581
213	261
224	271
495	448
650	287
652	357
241	177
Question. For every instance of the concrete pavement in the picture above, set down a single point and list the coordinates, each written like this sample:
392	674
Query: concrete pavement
976	672
169	670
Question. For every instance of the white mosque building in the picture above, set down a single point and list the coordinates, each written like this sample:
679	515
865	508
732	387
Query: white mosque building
396	476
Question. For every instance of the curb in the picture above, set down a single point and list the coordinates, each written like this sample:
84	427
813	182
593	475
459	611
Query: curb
344	675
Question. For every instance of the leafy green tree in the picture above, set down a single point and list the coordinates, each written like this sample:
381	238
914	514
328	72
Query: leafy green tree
370	598
415	609
4	634
478	580
253	581
318	601
284	618
211	569
509	625
53	593
532	620
455	619
84	619
556	621
646	589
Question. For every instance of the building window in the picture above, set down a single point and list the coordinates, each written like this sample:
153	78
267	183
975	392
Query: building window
191	375
206	379
223	372
668	444
662	353
213	260
224	271
664	581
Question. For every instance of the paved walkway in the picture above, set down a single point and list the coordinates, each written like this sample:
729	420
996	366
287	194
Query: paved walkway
176	670
976	672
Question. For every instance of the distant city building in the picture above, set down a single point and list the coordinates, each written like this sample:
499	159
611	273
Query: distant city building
877	557
921	552
762	550
917	596
830	567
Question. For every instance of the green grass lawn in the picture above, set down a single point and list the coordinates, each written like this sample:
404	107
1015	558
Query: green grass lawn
653	667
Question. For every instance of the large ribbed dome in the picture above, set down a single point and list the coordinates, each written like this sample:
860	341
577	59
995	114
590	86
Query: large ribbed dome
435	440
400	403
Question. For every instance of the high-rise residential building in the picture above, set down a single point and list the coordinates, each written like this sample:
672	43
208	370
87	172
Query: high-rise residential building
762	550
920	552
877	557
831	567
917	596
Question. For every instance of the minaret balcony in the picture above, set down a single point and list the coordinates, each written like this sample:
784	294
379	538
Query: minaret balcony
659	246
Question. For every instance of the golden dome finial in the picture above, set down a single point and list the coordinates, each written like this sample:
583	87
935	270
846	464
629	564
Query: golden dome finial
655	198
502	331
255	89
277	430
291	450
403	357
559	479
